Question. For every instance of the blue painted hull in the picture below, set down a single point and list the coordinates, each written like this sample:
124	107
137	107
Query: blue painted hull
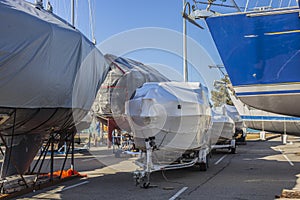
261	53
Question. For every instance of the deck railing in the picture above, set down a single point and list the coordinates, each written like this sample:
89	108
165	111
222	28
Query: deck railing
261	5
248	5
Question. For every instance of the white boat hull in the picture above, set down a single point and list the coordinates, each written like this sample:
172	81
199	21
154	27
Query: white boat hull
266	121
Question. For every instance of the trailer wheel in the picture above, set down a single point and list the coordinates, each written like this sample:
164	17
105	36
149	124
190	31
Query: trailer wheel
146	185
203	166
233	150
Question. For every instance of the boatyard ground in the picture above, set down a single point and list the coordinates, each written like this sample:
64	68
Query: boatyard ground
259	170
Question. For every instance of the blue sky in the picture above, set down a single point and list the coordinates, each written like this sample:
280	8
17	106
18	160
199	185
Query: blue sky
113	17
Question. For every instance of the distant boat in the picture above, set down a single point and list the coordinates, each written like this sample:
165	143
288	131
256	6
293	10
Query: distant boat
124	77
233	113
223	126
49	76
260	49
176	114
266	121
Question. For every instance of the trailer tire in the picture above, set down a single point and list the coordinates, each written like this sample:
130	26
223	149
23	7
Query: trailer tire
203	167
233	150
146	185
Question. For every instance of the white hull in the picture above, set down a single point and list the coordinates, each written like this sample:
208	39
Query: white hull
267	121
282	103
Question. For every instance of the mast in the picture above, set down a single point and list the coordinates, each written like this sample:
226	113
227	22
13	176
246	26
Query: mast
185	67
72	13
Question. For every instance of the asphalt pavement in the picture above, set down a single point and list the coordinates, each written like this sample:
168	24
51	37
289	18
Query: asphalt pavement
259	170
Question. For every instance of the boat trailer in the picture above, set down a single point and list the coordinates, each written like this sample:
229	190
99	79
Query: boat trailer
142	177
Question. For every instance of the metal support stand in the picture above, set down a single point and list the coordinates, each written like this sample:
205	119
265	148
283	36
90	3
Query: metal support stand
148	156
1	151
244	132
284	139
284	136
262	135
43	154
52	157
66	157
233	146
13	162
72	156
10	149
143	177
203	159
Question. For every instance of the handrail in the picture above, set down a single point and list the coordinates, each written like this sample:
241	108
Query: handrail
272	4
251	5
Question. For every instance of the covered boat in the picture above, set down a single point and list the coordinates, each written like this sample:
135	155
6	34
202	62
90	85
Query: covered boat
175	114
169	121
233	113
124	77
223	126
49	77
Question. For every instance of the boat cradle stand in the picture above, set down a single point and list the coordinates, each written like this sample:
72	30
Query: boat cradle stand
34	179
142	177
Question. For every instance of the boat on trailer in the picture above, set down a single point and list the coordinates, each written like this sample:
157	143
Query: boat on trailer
259	45
169	121
49	77
222	132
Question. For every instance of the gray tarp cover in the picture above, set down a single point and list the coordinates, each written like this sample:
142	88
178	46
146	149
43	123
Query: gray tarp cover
124	77
44	62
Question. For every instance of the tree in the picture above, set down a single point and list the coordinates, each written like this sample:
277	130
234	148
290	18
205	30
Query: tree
220	95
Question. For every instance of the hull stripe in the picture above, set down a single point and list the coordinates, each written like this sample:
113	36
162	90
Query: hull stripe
268	92
269	118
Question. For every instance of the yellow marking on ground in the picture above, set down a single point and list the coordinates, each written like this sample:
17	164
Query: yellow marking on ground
256	136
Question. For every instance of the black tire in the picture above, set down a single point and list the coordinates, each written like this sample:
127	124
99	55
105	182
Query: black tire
233	150
146	185
203	167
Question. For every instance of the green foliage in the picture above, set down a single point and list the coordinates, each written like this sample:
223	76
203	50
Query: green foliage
220	95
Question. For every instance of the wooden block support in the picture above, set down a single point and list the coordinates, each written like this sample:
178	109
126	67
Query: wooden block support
292	194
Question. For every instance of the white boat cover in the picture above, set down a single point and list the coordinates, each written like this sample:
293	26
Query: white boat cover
223	126
177	114
171	94
232	112
45	62
124	77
